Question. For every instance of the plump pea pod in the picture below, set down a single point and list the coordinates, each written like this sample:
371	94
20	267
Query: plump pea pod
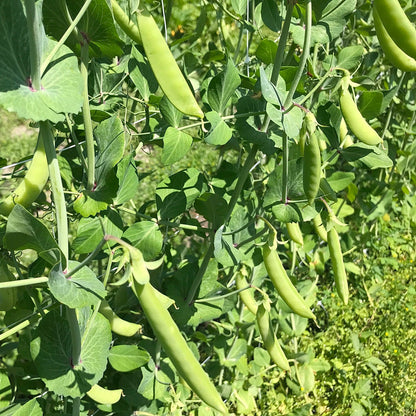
294	232
175	346
126	25
246	296
398	26
283	284
118	325
393	53
8	296
269	339
319	227
104	396
165	68
32	184
311	163
337	260
354	119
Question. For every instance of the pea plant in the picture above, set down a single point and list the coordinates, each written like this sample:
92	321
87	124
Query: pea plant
189	196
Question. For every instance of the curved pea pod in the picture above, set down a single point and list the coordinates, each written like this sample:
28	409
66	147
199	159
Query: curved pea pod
355	121
283	284
165	68
175	346
118	325
126	25
311	168
8	296
337	260
397	24
393	53
319	227
32	184
294	232
104	396
269	339
246	296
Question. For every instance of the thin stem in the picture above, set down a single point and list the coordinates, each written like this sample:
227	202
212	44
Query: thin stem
89	137
36	40
33	281
65	36
76	406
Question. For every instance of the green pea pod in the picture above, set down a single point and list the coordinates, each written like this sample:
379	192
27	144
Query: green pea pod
246	296
393	53
32	184
311	165
175	346
126	25
397	24
337	260
8	296
294	232
269	339
118	325
165	68
283	284
355	121
319	227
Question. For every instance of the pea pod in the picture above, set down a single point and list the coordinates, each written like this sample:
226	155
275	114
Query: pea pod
269	339
32	184
311	161
294	232
319	227
118	325
104	396
354	119
337	260
393	53
283	284
175	346
245	295
165	68
126	25
398	26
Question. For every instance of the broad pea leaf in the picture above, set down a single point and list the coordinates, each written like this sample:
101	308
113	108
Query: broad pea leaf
176	145
81	289
128	180
30	408
370	104
51	351
6	392
224	250
97	25
170	113
126	358
290	122
177	193
371	156
220	133
212	207
61	82
350	57
146	236
270	15
24	231
266	51
222	87
340	180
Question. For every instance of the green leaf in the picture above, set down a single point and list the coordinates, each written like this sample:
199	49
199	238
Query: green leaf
176	145
273	94
91	203
81	289
270	15
222	87
371	156
51	350
30	408
128	180
5	390
142	75
340	180
146	236
290	122
238	349
370	104
24	231
177	193
224	250
239	6
220	133
306	377
266	51
126	358
62	86
350	57
170	113
96	25
212	207
286	213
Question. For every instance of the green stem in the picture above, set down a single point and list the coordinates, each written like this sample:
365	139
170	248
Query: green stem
76	406
33	281
65	36
36	40
89	137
